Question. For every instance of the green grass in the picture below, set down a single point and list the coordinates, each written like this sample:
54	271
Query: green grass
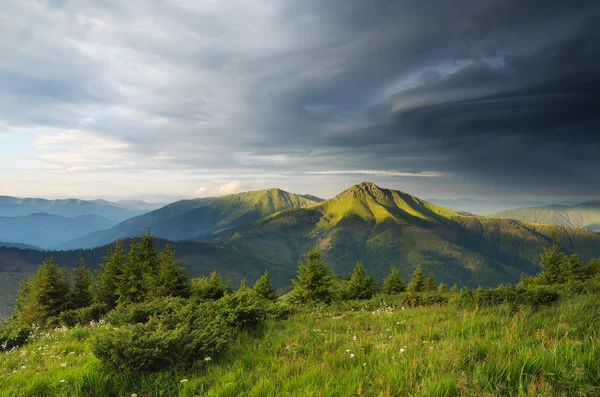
448	351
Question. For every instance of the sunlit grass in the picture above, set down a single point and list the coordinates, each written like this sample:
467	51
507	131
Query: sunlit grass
424	351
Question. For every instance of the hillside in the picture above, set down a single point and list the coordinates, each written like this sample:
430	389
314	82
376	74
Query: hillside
14	206
47	231
581	215
382	227
483	207
199	218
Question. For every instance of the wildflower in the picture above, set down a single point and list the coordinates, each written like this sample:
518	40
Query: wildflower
390	337
133	394
398	322
354	338
63	365
430	347
347	350
23	367
402	307
352	355
183	381
364	364
62	381
402	350
207	358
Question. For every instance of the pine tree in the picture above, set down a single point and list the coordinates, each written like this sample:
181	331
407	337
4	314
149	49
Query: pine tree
417	283
138	274
109	276
314	280
43	296
442	288
361	285
82	286
211	287
263	287
429	283
392	284
172	279
572	269
551	259
454	289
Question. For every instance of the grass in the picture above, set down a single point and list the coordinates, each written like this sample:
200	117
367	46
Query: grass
423	351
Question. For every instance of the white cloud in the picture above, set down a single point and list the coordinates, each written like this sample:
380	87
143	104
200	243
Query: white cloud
422	174
233	187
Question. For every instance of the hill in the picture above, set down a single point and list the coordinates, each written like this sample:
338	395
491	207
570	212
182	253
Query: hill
46	230
382	227
18	245
199	218
482	207
581	215
14	206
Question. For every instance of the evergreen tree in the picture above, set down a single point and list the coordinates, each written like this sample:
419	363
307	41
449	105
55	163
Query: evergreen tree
572	269
314	281
43	296
592	269
361	285
417	283
454	289
138	273
243	285
109	276
551	259
172	279
228	287
211	287
82	286
430	285
442	288
263	287
392	284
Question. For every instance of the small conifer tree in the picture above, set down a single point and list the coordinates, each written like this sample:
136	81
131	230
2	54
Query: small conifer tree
361	285
314	280
264	288
417	283
430	285
392	284
109	276
82	286
442	288
172	279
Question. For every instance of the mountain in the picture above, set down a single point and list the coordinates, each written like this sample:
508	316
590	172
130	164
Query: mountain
13	206
199	218
382	227
482	207
132	205
18	245
47	231
580	215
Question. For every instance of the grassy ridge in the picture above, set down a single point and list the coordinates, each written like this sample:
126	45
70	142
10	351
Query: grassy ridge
384	351
581	215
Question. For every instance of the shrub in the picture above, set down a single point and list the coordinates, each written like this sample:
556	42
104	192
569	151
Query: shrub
243	308
83	316
13	336
540	295
141	312
182	337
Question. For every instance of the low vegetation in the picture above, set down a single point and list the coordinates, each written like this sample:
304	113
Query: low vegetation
140	327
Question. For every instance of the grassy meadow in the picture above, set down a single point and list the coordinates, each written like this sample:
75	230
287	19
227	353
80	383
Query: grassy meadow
350	349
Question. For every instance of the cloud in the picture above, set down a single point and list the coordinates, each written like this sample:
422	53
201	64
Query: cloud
201	192
422	174
232	187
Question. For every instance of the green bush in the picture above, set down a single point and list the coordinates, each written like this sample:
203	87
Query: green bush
540	296
83	316
243	309
141	312
183	337
13	336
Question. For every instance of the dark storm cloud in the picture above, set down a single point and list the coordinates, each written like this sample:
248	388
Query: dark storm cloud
502	95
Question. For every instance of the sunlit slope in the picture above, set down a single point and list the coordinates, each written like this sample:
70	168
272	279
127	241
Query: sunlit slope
581	215
382	227
199	218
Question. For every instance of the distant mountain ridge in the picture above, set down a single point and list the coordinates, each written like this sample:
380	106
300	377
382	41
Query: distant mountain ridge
585	215
14	206
47	230
199	218
483	207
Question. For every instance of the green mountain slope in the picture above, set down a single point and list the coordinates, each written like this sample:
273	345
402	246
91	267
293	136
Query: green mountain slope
46	230
383	227
199	218
581	215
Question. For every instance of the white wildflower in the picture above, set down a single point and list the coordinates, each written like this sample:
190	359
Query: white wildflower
352	355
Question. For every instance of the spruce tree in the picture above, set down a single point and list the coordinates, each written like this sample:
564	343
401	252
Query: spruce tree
314	280
172	279
430	285
551	259
572	269
392	284
264	288
43	296
454	289
211	287
82	286
361	285
109	276
592	270
442	288
137	276
417	283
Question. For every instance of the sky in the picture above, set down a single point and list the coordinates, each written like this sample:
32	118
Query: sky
165	99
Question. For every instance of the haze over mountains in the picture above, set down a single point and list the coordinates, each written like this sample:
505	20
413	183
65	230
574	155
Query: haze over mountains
271	229
580	215
484	207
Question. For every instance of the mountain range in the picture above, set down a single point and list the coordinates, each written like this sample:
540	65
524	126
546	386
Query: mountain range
199	219
483	207
115	211
580	215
